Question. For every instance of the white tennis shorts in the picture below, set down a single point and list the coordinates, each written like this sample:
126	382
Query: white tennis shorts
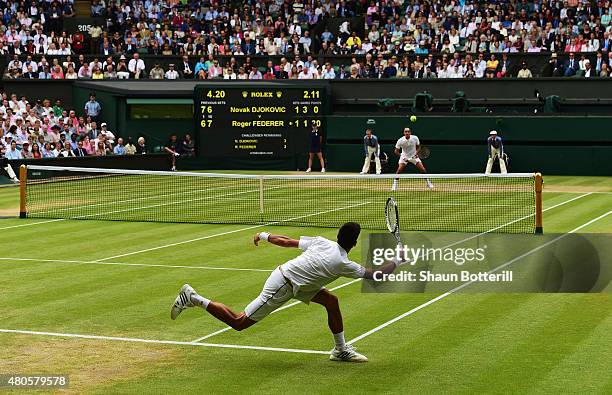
404	160
275	293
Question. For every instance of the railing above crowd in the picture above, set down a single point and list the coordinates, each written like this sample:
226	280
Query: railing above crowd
153	67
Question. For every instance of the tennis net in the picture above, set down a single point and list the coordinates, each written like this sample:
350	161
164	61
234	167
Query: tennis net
457	202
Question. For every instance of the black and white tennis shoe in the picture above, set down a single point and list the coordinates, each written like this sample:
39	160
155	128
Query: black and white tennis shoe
182	301
347	354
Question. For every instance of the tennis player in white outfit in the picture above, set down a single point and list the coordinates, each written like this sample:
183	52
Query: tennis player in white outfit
304	278
407	148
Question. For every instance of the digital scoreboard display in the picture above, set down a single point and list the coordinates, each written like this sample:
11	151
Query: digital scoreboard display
256	120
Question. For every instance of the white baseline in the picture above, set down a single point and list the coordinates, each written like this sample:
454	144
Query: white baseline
179	343
238	269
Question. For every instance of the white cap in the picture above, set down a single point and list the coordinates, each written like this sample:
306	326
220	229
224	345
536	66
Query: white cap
103	124
493	132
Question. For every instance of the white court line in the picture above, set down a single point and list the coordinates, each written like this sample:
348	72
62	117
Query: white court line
227	328
444	295
33	223
135	264
560	191
229	232
137	340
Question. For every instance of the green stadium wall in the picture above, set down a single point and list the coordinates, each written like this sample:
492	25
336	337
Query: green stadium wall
579	145
551	143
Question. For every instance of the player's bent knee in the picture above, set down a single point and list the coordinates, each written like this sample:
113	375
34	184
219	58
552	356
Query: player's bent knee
331	302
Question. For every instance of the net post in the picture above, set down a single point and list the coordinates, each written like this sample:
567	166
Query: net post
23	178
538	203
261	199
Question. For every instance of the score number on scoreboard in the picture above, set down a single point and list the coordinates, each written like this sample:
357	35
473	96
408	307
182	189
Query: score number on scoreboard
239	121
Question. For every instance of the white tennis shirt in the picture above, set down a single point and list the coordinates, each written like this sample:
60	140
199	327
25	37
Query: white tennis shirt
322	262
408	146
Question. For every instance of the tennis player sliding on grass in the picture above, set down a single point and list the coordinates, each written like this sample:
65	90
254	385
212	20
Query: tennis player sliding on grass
304	277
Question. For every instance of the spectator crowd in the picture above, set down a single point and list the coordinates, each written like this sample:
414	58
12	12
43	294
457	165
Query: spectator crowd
42	129
397	39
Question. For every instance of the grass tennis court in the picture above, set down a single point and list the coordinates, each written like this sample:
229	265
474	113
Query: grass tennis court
91	299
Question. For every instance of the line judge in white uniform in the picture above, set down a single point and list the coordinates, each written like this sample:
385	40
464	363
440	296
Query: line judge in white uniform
495	147
407	148
304	278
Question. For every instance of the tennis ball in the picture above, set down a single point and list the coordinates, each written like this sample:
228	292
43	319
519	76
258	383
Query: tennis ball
413	118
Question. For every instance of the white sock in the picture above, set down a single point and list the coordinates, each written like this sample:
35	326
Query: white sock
339	340
199	300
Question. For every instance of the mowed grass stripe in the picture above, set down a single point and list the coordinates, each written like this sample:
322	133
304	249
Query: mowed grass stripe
559	333
102	238
581	377
569	216
434	343
478	344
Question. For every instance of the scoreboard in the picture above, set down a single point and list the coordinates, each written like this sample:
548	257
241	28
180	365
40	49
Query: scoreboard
257	120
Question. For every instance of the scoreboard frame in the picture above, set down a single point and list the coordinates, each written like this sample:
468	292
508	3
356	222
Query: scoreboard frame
258	120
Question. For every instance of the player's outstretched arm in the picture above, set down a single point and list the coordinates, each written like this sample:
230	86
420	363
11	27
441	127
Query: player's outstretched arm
387	268
281	241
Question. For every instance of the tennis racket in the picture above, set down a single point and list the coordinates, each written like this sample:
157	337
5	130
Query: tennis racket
424	152
392	218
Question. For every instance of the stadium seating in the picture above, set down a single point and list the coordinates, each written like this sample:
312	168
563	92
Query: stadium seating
385	40
34	123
